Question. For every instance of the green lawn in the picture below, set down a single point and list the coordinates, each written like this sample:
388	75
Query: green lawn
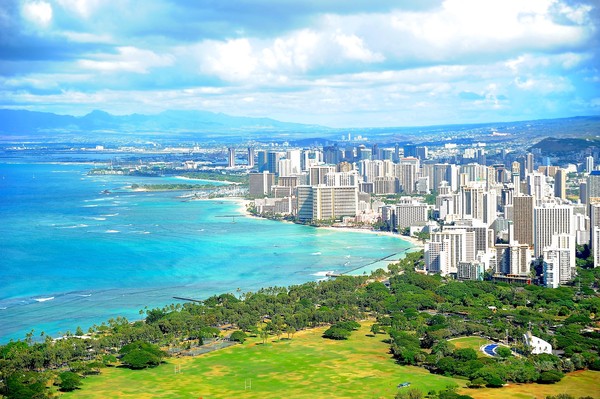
577	384
470	342
306	366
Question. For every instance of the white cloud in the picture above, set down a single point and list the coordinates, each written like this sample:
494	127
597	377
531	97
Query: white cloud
129	59
38	12
232	60
476	27
293	53
354	48
84	8
544	84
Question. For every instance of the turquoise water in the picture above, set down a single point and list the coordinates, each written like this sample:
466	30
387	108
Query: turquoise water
72	255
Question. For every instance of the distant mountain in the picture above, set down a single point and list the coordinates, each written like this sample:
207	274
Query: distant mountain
195	125
30	123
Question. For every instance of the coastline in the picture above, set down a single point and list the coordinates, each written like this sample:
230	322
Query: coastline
243	205
414	243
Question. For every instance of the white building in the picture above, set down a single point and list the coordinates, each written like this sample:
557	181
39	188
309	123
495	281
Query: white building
537	345
548	221
559	260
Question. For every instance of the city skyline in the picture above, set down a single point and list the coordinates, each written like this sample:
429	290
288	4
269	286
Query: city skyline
335	64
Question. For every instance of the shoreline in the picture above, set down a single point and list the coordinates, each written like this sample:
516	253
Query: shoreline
243	204
413	243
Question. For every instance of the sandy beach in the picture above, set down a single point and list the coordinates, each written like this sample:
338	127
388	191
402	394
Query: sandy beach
412	240
243	205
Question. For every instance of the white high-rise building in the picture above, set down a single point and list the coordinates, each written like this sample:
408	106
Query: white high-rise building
589	164
456	246
295	157
550	220
559	260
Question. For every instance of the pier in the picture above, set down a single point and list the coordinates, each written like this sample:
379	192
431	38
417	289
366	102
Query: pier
187	299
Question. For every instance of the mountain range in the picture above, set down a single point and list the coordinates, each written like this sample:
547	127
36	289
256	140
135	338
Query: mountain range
24	124
31	123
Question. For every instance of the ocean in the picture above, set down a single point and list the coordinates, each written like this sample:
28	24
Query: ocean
73	254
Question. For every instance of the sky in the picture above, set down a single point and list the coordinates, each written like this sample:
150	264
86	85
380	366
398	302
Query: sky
337	63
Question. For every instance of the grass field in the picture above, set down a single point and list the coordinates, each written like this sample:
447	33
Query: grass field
470	342
306	366
577	384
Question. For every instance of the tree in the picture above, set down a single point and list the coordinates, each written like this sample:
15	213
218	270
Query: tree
503	352
375	329
411	393
69	381
238	336
550	377
140	359
337	333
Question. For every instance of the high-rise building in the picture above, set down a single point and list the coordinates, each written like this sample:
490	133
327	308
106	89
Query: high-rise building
262	160
548	221
595	232
409	214
231	157
250	157
593	187
273	161
589	164
560	184
559	260
523	219
295	157
537	186
260	183
386	185
529	162
324	203
317	174
457	245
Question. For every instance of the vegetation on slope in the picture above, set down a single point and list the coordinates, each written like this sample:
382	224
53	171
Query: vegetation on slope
418	313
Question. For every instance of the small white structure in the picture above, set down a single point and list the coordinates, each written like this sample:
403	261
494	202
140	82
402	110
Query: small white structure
536	344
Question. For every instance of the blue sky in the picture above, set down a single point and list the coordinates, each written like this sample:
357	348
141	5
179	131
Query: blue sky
337	63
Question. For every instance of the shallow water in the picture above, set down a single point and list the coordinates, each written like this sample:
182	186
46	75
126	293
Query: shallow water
72	255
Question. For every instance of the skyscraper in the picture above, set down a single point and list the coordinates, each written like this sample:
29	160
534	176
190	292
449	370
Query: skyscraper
231	157
523	219
529	162
593	187
589	164
560	184
250	157
273	162
548	221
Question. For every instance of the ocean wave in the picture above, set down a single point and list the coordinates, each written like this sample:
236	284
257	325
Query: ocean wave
112	231
43	299
110	215
316	253
323	274
95	218
90	206
77	226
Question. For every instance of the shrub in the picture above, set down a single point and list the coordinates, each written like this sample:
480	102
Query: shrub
69	381
335	332
140	359
494	382
550	377
238	336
